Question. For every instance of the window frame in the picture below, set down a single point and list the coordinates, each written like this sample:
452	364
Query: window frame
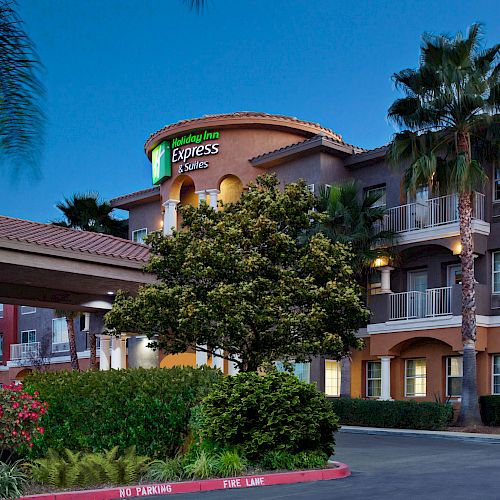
63	319
496	179
415	377
339	378
30	331
493	374
138	231
493	272
23	311
280	367
1	311
367	379
448	361
376	188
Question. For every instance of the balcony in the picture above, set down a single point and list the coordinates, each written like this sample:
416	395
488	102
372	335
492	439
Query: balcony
433	218
412	305
25	352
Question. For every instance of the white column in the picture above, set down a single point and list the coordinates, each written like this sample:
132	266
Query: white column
170	216
119	353
202	196
385	375
217	361
104	357
201	357
213	197
385	274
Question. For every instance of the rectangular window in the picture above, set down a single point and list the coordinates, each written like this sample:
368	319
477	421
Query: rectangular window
415	378
373	379
300	370
454	372
28	310
380	192
1	310
1	344
496	374
139	235
60	341
496	185
332	378
495	272
28	336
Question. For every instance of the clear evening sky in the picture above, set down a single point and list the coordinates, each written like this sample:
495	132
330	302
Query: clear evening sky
118	70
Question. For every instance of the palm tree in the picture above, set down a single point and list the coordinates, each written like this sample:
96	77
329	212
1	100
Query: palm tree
88	213
70	317
21	93
348	217
448	122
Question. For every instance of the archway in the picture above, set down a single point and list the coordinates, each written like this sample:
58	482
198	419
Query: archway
230	188
183	189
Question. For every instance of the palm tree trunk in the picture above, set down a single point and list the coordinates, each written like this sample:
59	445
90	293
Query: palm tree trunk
72	344
469	408
93	351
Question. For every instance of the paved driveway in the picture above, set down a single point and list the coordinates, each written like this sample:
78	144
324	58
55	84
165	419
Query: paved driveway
387	467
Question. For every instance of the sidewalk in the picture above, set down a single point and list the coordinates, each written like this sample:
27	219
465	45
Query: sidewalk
462	436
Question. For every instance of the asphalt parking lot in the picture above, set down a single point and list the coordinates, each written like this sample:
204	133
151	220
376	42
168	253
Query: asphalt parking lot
386	467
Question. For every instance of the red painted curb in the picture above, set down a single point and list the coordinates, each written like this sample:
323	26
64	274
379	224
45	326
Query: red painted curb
303	476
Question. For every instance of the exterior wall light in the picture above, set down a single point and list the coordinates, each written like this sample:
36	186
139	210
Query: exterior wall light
457	248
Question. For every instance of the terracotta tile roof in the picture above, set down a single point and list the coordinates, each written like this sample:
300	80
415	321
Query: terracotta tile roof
143	192
247	114
52	236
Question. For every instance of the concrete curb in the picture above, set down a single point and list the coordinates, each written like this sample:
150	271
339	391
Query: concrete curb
460	436
146	490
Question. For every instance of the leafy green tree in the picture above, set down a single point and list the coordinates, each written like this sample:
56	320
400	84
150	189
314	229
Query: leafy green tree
21	93
242	280
450	124
348	217
88	213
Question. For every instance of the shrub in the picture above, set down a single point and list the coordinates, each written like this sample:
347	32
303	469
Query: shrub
271	412
396	414
91	469
97	410
230	463
163	471
12	480
280	460
490	409
202	466
20	419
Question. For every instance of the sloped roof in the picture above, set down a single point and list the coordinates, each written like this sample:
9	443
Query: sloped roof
48	235
144	195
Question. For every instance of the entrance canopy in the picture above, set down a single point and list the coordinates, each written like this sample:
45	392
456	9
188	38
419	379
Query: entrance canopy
43	265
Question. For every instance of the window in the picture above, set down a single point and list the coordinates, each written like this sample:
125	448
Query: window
454	274
60	341
1	344
332	378
311	188
454	376
415	378
28	310
496	185
373	379
380	192
28	336
1	310
300	370
496	374
496	272
139	235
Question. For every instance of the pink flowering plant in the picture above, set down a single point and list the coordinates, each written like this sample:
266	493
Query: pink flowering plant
20	420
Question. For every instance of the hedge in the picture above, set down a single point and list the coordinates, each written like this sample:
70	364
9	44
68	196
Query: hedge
96	410
490	409
395	414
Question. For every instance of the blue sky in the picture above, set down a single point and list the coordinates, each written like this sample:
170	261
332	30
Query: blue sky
118	70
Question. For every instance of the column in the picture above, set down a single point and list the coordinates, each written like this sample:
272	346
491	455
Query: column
119	353
170	216
213	197
385	375
104	357
201	357
202	196
385	274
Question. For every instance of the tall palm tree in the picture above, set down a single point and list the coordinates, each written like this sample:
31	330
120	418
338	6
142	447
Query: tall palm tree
70	317
349	217
88	213
448	122
21	93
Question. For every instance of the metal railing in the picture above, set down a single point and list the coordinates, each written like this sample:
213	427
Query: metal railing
26	351
411	305
430	213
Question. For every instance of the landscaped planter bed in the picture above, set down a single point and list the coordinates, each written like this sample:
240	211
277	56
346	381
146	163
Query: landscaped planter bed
337	470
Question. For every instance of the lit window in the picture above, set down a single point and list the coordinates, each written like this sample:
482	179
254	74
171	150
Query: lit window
415	377
496	272
332	378
300	370
454	372
380	193
60	340
28	310
28	336
496	374
496	185
139	235
373	379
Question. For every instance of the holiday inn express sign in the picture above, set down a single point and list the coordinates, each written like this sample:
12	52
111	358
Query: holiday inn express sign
188	151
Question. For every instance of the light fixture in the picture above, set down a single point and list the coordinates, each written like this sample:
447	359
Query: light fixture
110	293
457	248
380	262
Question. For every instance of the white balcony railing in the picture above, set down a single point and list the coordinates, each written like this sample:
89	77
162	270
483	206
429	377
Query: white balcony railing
60	347
28	351
412	305
429	213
